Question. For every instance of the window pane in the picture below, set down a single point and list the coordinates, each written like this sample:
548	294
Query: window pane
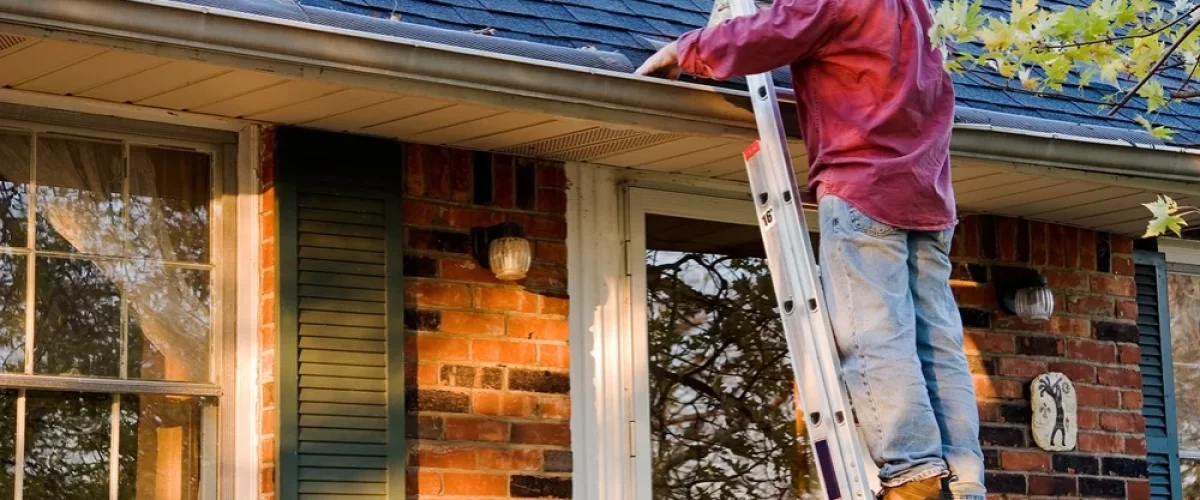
14	190
78	328
67	439
79	196
169	194
1183	295
8	442
1187	400
160	447
1191	478
12	312
168	323
722	414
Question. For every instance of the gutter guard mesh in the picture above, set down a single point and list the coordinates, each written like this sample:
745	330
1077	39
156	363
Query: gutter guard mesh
590	144
9	41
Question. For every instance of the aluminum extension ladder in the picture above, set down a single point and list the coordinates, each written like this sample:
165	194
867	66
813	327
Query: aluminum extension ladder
824	403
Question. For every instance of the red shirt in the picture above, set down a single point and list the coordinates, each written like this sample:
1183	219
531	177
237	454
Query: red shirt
875	102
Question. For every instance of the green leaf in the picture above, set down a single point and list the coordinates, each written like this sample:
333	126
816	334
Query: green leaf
1155	96
1022	10
1165	217
1086	77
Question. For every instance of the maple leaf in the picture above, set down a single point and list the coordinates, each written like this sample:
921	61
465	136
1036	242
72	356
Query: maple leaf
1166	217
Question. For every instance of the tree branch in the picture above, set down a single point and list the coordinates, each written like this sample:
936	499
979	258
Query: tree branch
1157	31
1157	66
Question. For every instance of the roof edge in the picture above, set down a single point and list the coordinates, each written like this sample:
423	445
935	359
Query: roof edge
389	62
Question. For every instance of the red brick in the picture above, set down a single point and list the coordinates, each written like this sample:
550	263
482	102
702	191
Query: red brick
550	251
1077	372
1073	327
552	175
1131	400
1119	377
267	448
1087	419
1097	397
458	483
504	404
551	228
552	201
1122	266
267	312
1091	350
1025	461
981	342
1070	245
1100	443
969	227
1090	304
1056	245
538	328
425	427
542	434
269	420
500	351
555	408
266	480
475	429
1021	368
504	181
975	295
1127	309
1122	244
424	374
1137	490
990	412
461	175
1006	239
268	394
419	212
414	170
437	168
1087	249
546	278
467	218
468	323
1009	322
424	483
1067	280
508	459
1039	249
1135	446
1122	422
1057	486
431	348
987	388
466	270
556	306
1114	285
554	356
436	294
506	299
443	457
1130	354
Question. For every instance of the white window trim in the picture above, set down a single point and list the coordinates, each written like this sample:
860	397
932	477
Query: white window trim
239	454
605	210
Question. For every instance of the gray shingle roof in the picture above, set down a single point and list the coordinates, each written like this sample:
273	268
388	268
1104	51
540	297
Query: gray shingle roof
634	28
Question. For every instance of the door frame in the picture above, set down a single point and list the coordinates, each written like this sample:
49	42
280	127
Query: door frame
639	203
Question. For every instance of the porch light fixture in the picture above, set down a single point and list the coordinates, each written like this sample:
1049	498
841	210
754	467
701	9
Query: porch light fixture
1023	292
502	249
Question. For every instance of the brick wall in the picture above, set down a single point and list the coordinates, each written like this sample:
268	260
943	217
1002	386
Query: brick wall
487	362
268	368
1091	338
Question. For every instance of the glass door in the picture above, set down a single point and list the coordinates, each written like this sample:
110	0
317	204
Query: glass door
711	379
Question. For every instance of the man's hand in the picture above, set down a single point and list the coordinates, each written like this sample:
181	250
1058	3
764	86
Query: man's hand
664	63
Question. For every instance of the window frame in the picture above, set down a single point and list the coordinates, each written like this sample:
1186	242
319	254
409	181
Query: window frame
226	245
1182	256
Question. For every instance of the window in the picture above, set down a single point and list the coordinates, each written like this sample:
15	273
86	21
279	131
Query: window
108	317
1183	292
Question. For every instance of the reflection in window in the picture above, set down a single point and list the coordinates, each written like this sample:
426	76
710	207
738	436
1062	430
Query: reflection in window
160	447
168	204
169	325
79	196
67	439
78	328
12	312
14	189
8	442
722	412
1183	292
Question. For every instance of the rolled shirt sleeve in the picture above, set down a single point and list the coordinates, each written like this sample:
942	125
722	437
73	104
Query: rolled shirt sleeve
784	33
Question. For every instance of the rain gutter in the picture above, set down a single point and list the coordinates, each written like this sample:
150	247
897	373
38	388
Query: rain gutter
306	50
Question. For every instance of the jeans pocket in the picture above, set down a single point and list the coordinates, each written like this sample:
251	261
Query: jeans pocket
865	224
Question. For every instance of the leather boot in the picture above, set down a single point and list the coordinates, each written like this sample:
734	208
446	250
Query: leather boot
927	489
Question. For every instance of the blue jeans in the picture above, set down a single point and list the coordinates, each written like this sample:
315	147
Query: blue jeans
901	340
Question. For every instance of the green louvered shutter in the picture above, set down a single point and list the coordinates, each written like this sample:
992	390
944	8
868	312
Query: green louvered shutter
1158	385
341	359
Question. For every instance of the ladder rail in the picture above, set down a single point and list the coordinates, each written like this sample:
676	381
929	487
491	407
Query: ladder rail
833	436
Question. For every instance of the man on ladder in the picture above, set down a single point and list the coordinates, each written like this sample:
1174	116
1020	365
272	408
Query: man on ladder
876	109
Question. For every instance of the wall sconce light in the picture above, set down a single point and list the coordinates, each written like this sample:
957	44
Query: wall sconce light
502	249
1023	292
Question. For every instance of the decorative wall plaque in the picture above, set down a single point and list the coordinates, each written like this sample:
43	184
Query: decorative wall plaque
1055	426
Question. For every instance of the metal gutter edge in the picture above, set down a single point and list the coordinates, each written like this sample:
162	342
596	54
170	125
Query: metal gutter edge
305	50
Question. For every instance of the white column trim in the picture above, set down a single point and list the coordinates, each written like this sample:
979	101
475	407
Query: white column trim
246	398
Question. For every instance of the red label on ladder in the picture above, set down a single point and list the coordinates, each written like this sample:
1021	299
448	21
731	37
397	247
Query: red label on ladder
751	151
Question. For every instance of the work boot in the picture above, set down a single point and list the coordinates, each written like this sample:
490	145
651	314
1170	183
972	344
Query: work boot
925	489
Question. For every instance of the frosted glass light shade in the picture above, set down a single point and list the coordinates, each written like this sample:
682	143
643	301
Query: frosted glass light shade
509	258
1034	304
